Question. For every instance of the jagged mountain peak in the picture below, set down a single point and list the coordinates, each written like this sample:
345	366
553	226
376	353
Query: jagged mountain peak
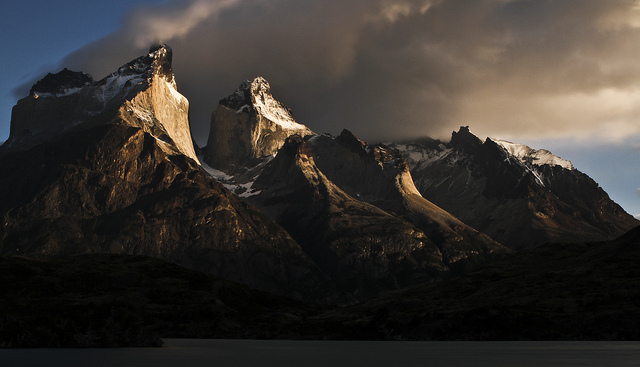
62	82
361	246
140	72
249	126
537	157
351	142
464	139
384	155
240	98
254	96
141	69
519	196
162	51
141	93
157	60
379	152
379	174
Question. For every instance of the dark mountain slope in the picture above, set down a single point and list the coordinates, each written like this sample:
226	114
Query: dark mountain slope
576	291
113	189
520	201
587	291
379	175
120	175
363	248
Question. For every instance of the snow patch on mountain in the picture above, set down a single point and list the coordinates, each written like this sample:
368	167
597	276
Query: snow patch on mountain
255	95
417	155
64	93
267	106
238	184
529	155
116	84
218	175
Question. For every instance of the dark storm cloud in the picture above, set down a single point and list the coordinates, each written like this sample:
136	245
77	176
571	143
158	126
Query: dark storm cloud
391	69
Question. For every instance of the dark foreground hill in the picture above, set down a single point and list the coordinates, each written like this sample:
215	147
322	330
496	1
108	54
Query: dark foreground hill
588	291
128	300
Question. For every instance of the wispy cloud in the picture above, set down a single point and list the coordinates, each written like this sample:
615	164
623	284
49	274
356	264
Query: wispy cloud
172	20
397	68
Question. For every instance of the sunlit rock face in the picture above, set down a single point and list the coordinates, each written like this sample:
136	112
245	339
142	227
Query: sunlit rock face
519	196
141	93
125	180
249	125
363	248
363	222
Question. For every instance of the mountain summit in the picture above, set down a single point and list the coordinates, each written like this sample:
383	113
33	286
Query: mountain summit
519	196
536	157
141	93
109	167
351	206
378	174
249	125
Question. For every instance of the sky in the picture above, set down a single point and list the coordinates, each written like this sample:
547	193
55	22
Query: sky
562	75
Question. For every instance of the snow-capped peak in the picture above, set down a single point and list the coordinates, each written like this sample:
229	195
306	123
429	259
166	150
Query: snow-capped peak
267	106
255	96
528	155
141	93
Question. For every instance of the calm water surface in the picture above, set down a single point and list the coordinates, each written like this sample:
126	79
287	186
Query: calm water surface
191	352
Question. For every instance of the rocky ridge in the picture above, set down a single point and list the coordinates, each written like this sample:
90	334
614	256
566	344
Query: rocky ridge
123	181
141	93
109	166
378	174
363	248
508	192
352	207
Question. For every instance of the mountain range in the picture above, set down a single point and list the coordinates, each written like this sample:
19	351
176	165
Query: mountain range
110	166
519	196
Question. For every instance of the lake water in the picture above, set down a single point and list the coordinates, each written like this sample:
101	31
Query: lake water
194	353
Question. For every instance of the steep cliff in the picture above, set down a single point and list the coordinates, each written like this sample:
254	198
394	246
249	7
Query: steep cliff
125	179
141	93
247	126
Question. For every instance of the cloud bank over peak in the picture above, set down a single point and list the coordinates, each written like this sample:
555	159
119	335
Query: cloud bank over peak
400	68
